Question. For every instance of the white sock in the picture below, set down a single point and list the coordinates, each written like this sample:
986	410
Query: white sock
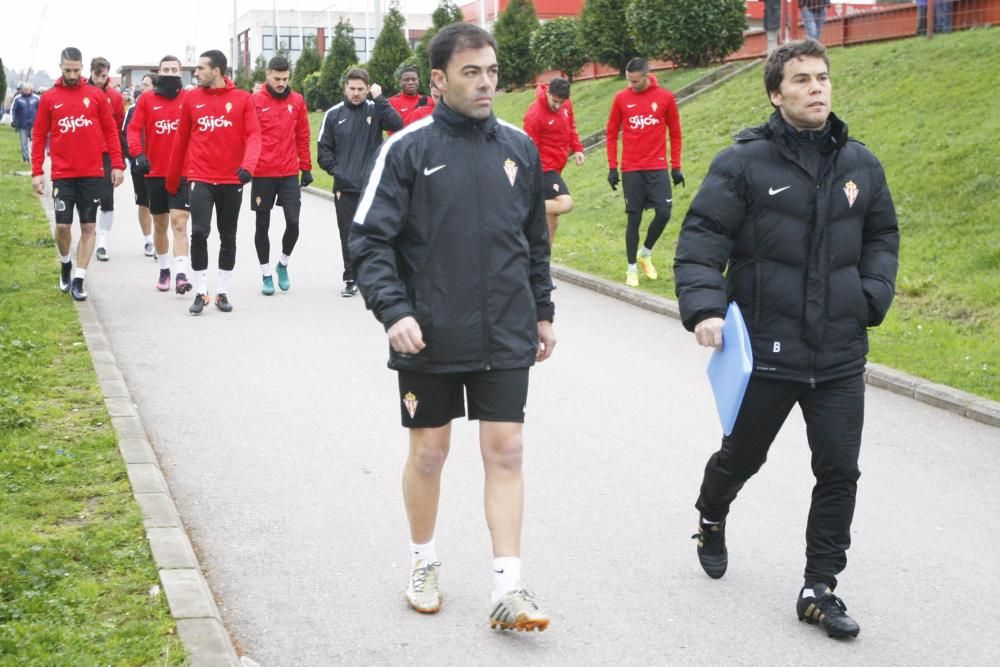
201	282
265	270
180	263
107	221
65	259
425	552
79	273
633	268
645	252
808	593
224	277
284	259
506	575
164	261
148	238
102	239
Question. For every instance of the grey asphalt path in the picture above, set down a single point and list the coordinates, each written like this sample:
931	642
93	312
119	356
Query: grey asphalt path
277	428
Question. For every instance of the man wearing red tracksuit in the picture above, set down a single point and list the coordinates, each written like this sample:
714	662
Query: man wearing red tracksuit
284	133
641	111
409	101
218	145
151	137
550	124
100	70
74	119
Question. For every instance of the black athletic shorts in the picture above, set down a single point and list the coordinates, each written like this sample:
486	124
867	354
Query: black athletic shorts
646	189
83	193
264	191
140	189
161	201
107	188
429	400
555	186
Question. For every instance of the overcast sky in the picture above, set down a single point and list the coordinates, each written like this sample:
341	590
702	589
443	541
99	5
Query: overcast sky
134	31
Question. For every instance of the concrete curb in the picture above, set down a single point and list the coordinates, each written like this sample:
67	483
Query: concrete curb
941	396
192	605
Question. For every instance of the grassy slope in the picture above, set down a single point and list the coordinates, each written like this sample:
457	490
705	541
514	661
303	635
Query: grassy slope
75	566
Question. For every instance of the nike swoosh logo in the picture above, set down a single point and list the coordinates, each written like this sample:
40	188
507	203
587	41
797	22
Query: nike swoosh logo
630	105
341	121
772	191
552	122
670	200
265	108
405	109
56	106
498	571
428	172
157	108
198	106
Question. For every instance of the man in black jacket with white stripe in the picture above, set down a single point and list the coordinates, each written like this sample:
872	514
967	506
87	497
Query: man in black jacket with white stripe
795	223
350	136
451	249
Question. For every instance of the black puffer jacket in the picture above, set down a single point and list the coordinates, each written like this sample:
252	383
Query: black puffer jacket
349	138
451	230
811	259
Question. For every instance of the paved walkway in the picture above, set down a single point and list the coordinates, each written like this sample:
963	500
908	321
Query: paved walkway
277	428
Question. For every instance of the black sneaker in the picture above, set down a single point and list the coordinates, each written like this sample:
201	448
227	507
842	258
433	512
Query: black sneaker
200	301
828	611
65	275
350	289
712	548
222	303
77	291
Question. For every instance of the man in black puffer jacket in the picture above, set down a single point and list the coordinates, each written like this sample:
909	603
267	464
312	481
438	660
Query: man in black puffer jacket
795	223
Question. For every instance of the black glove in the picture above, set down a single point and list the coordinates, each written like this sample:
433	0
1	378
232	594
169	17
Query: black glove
613	178
677	176
140	163
245	176
422	102
307	178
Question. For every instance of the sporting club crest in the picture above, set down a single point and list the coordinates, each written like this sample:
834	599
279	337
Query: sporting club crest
655	107
289	108
229	107
410	402
511	168
851	190
86	102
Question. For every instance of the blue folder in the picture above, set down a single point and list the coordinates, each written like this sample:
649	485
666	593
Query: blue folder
729	368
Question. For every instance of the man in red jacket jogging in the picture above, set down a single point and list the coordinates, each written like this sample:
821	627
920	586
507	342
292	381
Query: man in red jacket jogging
641	111
151	137
550	124
100	71
217	148
284	135
74	119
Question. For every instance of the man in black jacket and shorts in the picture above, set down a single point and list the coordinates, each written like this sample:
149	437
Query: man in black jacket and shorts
451	249
800	218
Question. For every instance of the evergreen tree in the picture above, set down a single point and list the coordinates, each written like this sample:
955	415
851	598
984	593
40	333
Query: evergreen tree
240	78
604	32
338	58
446	13
311	92
557	45
513	31
3	81
390	50
308	62
259	70
687	32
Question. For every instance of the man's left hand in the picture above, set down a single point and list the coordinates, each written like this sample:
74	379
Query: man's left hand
677	176
117	177
579	158
307	178
546	340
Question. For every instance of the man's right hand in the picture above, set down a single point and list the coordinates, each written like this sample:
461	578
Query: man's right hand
142	164
38	183
613	178
375	90
708	332
405	336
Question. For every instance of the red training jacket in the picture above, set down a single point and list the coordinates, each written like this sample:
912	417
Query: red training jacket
117	103
641	117
284	135
218	135
554	132
77	121
405	105
153	131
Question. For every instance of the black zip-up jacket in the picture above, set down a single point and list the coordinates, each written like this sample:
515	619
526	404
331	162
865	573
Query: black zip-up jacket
810	259
451	230
349	138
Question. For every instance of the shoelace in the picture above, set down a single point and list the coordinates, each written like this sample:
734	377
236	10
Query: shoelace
831	604
419	575
524	596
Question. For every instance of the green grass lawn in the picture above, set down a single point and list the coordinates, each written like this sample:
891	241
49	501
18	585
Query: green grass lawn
75	567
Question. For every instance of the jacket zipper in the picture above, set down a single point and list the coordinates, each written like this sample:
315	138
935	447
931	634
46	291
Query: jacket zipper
482	260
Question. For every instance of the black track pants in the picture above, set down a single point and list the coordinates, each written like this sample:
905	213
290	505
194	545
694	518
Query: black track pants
226	200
